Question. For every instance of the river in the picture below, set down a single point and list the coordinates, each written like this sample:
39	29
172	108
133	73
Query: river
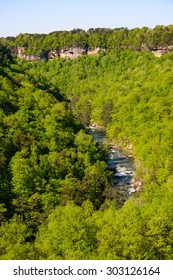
122	167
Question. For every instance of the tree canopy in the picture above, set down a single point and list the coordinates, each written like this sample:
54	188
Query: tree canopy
136	39
56	199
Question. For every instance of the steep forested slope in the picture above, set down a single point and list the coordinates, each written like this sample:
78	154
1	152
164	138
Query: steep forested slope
56	202
130	94
46	157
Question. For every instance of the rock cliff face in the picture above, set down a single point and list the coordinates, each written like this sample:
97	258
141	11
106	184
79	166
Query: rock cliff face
161	51
71	52
21	54
52	54
90	52
74	52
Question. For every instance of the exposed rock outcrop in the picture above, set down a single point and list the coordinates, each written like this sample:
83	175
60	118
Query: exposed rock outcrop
137	184
71	52
74	52
90	52
21	54
159	52
52	54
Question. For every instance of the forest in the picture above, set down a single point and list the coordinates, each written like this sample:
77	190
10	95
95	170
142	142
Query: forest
56	197
136	39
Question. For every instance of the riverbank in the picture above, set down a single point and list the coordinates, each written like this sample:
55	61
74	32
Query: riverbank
121	166
120	161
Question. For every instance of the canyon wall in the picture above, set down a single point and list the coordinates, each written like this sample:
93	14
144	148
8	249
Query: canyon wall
71	52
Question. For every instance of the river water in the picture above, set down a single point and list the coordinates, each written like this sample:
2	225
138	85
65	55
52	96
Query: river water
122	167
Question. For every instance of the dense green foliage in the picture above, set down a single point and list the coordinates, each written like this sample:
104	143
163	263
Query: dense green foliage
119	38
55	198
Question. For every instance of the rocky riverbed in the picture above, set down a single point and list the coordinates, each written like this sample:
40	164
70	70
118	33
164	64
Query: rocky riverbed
121	166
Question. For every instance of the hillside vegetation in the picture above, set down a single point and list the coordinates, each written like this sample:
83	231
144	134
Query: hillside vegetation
137	39
56	200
